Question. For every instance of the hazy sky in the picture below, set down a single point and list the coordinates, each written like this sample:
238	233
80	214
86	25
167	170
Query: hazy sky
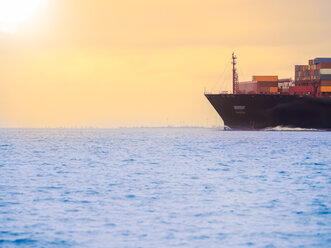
105	63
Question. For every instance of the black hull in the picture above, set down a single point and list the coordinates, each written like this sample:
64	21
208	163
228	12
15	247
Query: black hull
263	111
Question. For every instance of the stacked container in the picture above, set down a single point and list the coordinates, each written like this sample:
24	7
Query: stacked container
260	85
324	67
318	69
266	84
302	72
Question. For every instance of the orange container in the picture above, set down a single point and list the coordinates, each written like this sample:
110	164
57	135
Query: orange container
273	89
325	89
265	78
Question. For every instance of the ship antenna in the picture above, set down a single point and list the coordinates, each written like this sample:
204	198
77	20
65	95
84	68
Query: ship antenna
235	81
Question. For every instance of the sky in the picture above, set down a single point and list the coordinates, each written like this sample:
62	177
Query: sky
130	63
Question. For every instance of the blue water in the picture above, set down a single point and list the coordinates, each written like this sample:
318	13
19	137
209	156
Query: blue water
164	187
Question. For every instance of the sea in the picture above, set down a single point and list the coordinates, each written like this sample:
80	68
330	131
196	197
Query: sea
165	187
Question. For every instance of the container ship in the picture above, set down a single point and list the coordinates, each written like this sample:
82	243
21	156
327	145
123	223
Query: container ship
268	101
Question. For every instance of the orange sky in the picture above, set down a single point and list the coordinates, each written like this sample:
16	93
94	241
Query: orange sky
105	63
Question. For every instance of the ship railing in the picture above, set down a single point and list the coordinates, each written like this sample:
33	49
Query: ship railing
219	92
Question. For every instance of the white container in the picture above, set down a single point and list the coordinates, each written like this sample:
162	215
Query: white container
325	71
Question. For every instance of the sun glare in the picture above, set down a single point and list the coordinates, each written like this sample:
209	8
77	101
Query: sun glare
15	12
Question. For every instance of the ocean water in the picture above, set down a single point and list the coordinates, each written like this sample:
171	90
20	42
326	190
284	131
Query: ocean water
164	187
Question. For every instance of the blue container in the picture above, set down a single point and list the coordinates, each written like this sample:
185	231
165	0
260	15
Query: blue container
326	77
322	60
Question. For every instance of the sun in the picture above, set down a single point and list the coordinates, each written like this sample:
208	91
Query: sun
14	12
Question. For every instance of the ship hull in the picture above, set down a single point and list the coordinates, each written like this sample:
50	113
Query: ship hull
263	111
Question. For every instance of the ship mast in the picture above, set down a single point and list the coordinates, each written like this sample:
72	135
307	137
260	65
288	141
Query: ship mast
235	81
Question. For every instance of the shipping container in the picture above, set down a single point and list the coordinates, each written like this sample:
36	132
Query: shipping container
249	87
326	83
263	90
301	89
267	84
273	89
325	77
265	78
322	60
325	89
325	71
323	65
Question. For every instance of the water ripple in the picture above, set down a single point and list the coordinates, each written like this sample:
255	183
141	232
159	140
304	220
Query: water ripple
166	187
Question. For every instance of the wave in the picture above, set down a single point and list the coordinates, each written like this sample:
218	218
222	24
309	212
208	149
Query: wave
285	128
